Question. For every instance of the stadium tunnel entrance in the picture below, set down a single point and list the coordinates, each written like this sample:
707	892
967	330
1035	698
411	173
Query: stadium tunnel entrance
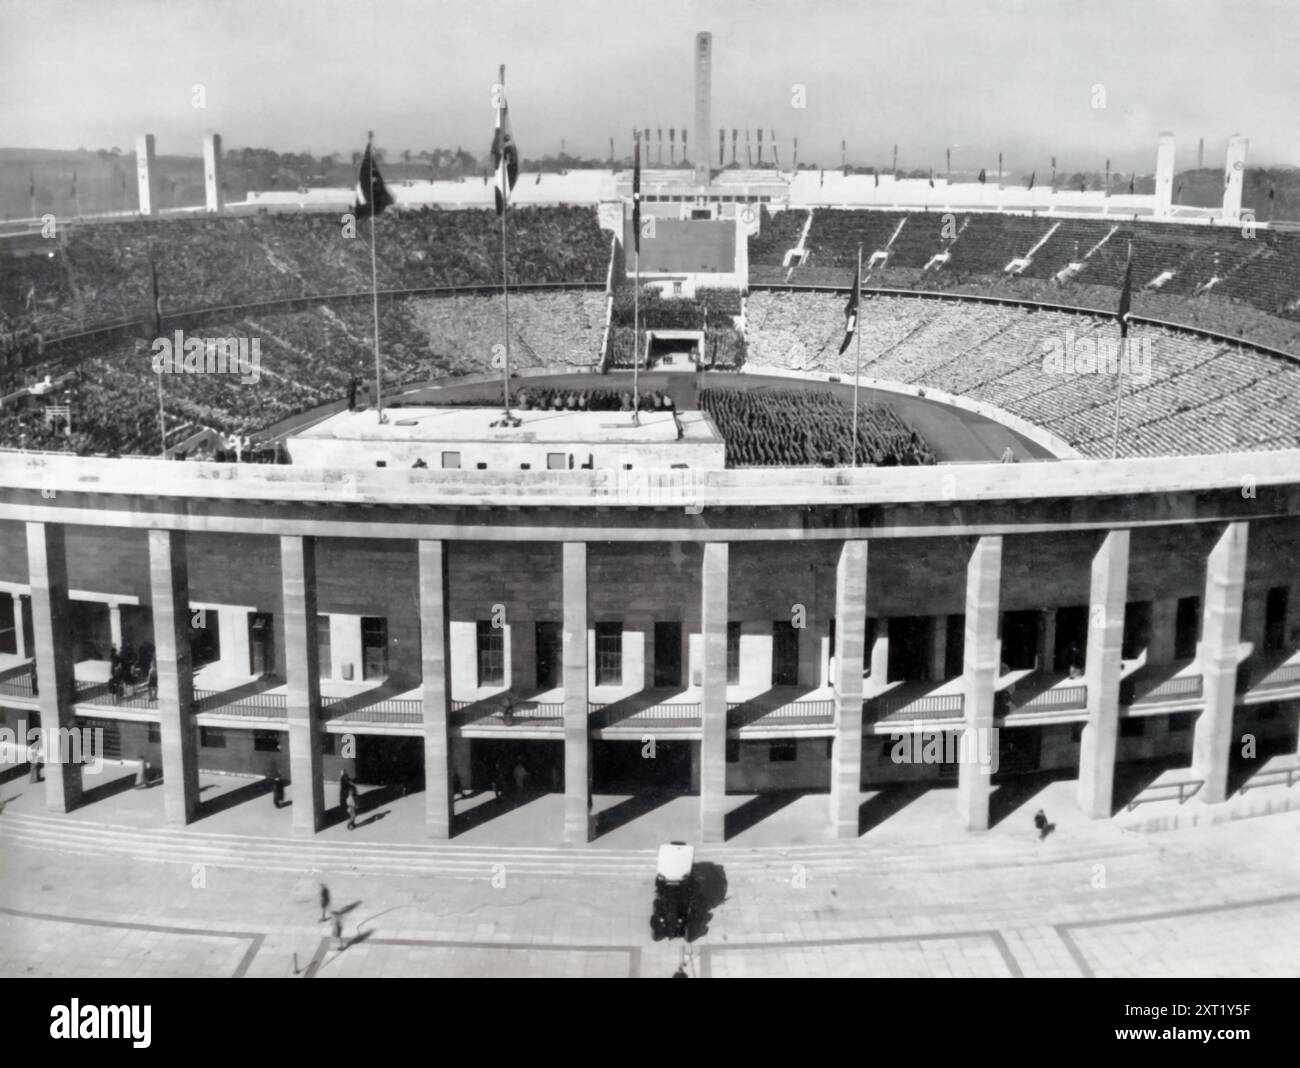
515	767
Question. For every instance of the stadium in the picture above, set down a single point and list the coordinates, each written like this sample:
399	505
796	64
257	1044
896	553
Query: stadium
712	526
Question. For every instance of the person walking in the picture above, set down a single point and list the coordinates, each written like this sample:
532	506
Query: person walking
324	901
521	777
352	809
277	789
346	787
337	928
34	762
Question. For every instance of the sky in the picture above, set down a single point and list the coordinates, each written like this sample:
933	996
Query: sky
1017	76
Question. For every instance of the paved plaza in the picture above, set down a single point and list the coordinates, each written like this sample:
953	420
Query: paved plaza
108	890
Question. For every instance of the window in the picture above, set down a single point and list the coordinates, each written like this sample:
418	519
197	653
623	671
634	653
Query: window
451	461
733	751
155	735
785	654
481	466
609	654
212	738
733	654
783	752
491	654
374	647
525	467
677	289
556	461
1130	727
324	661
266	741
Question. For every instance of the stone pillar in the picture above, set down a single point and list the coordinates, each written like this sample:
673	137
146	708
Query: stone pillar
880	653
1047	641
577	772
1106	600
1233	177
938	648
298	578
435	691
170	588
713	695
47	568
214	196
850	651
979	676
115	625
1164	175
1225	579
20	631
146	174
1164	631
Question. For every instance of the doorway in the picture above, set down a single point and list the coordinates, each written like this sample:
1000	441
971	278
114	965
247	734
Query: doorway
549	656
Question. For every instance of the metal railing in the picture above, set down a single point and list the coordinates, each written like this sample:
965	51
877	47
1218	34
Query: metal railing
677	711
1279	678
1290	774
251	706
18	683
1057	699
1184	790
748	714
926	706
1180	688
389	710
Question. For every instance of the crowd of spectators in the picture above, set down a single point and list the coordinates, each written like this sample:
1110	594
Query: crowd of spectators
1219	277
1186	394
796	427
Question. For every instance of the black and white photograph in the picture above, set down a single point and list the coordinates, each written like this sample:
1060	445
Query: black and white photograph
713	489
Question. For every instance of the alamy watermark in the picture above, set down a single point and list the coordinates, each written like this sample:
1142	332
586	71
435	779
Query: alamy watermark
179	355
1102	356
977	746
70	745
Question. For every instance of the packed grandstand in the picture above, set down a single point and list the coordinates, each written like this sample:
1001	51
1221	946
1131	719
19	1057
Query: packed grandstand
957	306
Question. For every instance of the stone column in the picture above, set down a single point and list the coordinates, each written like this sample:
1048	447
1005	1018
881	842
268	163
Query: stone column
880	653
435	691
850	645
115	626
298	577
1225	579
1106	600
979	676
47	568
20	636
938	648
1047	641
577	771
713	735
170	588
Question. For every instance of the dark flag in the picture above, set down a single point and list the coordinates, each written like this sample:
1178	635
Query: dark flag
1126	294
931	177
505	155
983	176
851	311
876	175
372	195
31	185
1132	183
636	194
1032	176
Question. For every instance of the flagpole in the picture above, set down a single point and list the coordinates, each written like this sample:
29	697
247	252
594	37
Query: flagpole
857	349
504	178
1119	368
374	272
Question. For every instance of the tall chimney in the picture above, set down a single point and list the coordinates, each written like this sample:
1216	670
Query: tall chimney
1233	175
703	101
213	186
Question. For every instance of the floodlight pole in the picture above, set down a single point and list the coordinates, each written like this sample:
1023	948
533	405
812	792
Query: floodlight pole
857	349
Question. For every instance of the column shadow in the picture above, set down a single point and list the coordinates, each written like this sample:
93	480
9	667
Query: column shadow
758	808
889	801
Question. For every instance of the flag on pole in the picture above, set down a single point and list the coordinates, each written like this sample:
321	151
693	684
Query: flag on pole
851	310
31	185
370	185
636	194
1126	294
983	176
505	155
1032	176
